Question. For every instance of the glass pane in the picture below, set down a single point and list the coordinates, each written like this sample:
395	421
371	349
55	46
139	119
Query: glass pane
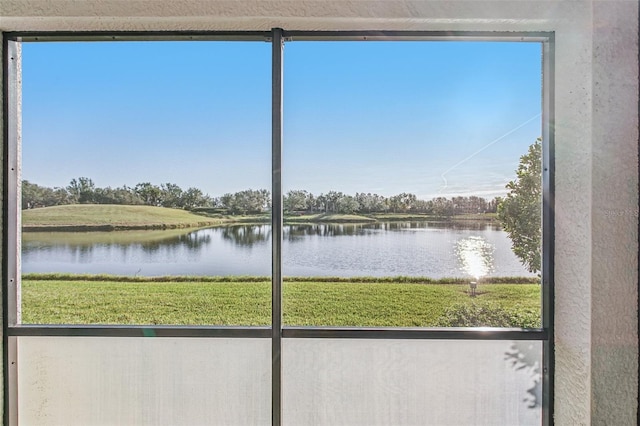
397	168
145	176
411	382
144	381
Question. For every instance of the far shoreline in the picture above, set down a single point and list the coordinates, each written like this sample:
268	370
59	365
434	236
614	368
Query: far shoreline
107	218
293	220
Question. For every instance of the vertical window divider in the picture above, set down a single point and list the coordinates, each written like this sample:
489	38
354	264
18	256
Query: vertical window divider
12	96
548	231
276	226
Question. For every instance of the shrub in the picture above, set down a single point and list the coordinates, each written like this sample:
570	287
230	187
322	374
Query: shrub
487	314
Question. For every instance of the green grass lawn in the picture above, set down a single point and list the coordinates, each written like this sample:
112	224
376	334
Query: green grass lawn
88	301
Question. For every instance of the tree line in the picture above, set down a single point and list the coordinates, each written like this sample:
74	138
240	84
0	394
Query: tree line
83	191
301	201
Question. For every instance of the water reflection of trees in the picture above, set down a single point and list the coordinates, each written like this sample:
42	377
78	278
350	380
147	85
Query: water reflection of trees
298	232
192	241
247	235
82	246
465	226
84	249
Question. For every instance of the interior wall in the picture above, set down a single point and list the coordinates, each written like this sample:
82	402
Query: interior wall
614	209
596	103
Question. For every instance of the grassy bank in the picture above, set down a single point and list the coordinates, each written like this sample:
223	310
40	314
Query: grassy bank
103	300
55	276
109	217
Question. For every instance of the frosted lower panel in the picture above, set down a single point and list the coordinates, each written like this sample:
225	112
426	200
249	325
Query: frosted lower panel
143	381
407	382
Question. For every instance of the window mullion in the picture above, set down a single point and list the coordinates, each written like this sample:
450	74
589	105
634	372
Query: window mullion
276	223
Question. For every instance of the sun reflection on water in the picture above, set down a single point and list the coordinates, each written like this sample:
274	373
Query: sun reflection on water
475	256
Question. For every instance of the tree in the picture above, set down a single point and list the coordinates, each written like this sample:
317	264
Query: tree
150	194
347	205
250	201
320	203
394	203
520	212
82	190
191	198
296	200
171	195
406	201
331	201
123	195
442	207
227	202
40	196
370	203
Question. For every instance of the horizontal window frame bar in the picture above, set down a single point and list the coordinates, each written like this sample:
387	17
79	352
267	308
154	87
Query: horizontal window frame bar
137	331
93	36
453	333
479	36
294	35
391	333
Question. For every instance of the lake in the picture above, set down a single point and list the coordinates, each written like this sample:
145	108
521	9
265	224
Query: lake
427	249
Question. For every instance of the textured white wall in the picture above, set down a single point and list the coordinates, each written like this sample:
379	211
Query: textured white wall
596	148
614	207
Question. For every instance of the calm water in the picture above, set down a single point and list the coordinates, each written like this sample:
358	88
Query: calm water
382	249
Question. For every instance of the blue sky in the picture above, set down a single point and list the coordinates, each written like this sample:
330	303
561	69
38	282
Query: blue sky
430	118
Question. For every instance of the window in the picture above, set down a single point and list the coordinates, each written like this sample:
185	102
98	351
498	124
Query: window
332	293
398	152
140	137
